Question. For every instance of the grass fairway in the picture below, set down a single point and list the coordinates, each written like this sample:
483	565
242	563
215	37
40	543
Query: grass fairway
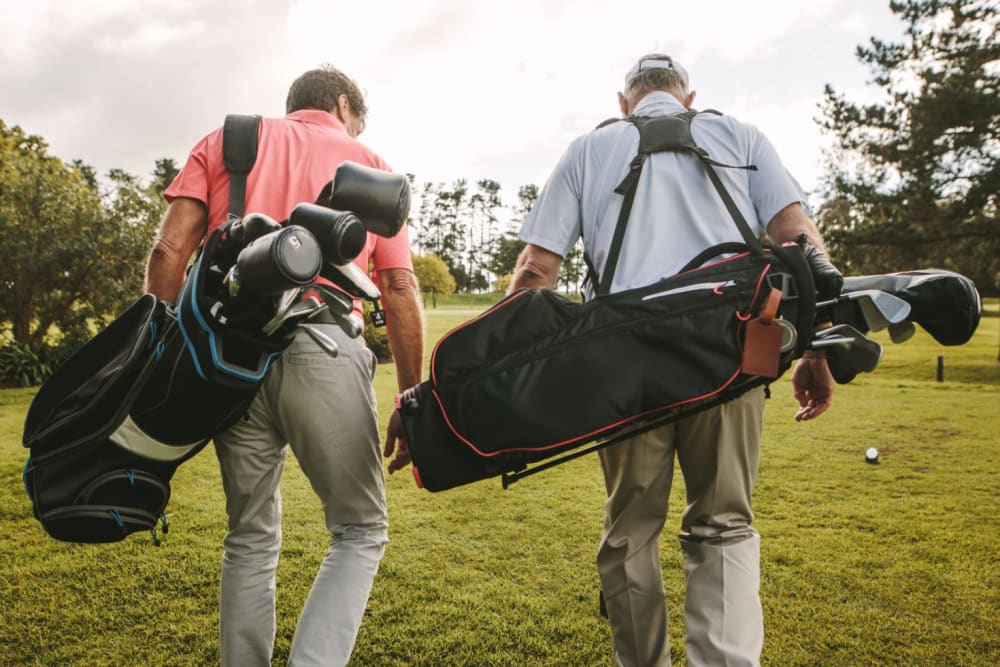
889	564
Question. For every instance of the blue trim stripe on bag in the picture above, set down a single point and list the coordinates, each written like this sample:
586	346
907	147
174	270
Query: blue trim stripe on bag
216	360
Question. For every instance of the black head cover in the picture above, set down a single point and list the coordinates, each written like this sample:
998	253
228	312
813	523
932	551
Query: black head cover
381	199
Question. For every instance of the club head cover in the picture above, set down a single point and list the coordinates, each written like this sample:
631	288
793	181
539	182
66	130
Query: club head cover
380	198
341	234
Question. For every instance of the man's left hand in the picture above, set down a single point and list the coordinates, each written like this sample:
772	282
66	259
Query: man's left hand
395	441
813	385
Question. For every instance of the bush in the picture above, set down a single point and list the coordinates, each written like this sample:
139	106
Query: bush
375	337
21	366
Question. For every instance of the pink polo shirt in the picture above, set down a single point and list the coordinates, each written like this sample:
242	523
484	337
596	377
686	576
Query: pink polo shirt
296	156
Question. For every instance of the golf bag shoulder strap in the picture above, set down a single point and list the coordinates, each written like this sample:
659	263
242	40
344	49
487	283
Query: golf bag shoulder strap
239	153
661	134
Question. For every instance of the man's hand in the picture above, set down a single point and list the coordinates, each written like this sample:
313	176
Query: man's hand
394	433
813	385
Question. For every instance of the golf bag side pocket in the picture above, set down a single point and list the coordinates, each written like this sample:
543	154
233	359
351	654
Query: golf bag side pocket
98	492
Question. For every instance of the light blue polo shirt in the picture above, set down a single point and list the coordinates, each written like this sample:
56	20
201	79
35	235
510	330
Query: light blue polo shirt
677	212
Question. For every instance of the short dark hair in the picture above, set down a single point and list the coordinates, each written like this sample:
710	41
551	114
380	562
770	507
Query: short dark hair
321	88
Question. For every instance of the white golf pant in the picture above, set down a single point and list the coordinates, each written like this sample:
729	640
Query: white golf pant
718	451
325	409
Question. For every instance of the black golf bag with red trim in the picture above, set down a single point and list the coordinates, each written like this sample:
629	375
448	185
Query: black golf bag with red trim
538	375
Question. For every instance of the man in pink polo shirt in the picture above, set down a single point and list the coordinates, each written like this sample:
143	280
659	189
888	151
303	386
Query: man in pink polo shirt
323	407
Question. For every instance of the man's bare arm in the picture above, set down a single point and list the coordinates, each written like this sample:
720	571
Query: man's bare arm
791	221
536	268
812	383
404	323
182	229
405	330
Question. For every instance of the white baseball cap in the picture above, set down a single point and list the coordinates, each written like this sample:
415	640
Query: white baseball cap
657	61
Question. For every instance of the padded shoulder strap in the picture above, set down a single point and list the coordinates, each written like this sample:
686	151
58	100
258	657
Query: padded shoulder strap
239	153
668	134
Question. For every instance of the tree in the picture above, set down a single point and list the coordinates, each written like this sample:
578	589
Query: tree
505	248
72	257
913	181
573	268
484	204
441	221
504	253
164	174
433	276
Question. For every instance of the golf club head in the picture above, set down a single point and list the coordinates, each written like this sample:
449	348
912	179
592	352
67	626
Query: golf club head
880	309
901	331
285	301
848	352
326	343
350	324
789	336
338	302
341	306
303	310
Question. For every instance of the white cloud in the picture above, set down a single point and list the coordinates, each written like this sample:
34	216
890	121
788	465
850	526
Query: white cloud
456	89
150	37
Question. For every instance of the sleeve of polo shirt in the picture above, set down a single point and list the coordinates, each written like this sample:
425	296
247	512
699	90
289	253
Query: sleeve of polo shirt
393	253
555	219
192	180
772	188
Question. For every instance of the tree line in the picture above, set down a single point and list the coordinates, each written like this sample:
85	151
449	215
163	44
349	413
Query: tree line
911	181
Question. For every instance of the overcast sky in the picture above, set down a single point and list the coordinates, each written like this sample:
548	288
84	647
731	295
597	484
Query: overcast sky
456	88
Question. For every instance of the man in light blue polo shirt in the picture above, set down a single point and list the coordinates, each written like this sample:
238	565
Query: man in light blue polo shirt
676	214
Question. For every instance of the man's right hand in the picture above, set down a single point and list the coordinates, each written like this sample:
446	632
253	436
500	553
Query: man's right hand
828	278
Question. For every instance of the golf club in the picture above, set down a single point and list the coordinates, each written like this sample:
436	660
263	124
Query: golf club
325	342
848	351
352	279
300	310
789	336
900	332
879	309
285	302
337	301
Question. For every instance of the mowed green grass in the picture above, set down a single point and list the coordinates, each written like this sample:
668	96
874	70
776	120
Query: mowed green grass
889	564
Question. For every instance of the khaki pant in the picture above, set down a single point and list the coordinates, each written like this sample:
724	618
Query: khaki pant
325	408
718	451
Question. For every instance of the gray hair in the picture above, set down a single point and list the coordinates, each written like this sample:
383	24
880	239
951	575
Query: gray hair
321	89
655	71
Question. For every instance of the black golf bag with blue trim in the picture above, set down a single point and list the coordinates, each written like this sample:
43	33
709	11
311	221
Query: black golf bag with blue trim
108	430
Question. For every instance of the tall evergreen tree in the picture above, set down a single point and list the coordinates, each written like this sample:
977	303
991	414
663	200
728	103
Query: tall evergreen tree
485	204
913	180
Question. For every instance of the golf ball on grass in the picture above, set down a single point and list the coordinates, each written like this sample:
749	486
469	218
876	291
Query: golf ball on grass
871	455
